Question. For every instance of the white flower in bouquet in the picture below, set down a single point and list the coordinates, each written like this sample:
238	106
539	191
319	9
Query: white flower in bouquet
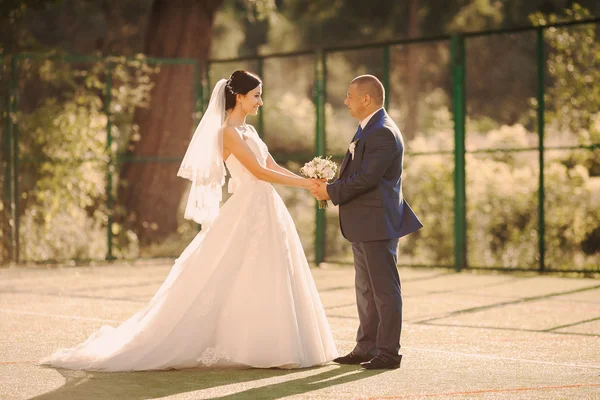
320	168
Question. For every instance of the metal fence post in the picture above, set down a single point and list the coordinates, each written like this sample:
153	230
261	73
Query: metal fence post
261	111
320	78
5	245
13	137
198	95
109	166
206	92
541	69
208	88
386	75
7	147
458	110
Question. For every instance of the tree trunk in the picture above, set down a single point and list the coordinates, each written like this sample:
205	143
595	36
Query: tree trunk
412	73
126	24
150	192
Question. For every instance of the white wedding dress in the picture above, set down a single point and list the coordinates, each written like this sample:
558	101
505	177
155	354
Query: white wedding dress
241	293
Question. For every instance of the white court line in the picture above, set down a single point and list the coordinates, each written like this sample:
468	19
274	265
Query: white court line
492	357
8	310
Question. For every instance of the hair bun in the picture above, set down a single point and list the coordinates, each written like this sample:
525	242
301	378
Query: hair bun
240	82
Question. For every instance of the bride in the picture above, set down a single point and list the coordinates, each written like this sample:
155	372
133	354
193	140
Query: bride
241	293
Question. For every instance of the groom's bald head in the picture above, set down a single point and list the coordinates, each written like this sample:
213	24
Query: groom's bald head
368	84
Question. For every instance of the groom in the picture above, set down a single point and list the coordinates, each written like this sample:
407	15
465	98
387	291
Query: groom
373	216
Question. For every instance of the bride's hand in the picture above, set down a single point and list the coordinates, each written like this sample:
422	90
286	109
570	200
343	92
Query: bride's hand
310	184
317	182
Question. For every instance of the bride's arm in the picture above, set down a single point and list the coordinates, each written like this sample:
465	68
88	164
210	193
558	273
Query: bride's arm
272	164
236	145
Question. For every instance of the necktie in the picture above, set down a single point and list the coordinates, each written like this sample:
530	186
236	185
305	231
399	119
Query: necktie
357	135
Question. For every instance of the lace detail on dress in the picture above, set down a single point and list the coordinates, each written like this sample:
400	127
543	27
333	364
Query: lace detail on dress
212	356
259	228
262	147
215	175
186	173
281	216
205	193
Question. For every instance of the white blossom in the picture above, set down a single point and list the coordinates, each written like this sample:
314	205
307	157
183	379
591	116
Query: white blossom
319	168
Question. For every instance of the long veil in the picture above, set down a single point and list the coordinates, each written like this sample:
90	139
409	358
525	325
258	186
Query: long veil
203	162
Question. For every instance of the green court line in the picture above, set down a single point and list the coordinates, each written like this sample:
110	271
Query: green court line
333	289
340	306
76	296
429	277
506	303
533	270
465	290
573	324
124	286
342	317
502	328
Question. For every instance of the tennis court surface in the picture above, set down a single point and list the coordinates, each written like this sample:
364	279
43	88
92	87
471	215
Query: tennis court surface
465	336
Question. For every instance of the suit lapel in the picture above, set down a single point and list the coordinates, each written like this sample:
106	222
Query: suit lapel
346	158
376	117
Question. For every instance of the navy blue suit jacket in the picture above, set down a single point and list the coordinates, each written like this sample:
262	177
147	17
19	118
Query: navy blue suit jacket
369	188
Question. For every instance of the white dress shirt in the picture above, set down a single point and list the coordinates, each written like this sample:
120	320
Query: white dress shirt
366	120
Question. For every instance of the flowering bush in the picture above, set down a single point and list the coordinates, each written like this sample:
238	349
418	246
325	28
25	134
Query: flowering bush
62	146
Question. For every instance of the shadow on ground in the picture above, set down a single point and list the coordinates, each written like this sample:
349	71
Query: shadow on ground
156	384
337	376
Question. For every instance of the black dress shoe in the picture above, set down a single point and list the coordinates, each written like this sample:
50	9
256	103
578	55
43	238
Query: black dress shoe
351	359
381	362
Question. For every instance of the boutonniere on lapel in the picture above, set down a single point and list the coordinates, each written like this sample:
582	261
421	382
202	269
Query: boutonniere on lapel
352	147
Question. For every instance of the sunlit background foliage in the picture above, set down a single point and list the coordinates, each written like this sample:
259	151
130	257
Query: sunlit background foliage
62	121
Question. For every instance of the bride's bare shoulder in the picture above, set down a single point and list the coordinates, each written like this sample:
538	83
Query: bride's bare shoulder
241	131
232	134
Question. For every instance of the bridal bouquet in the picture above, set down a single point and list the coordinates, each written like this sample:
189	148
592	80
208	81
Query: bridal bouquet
320	168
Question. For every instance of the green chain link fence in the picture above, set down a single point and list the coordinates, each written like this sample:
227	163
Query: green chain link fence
68	122
500	174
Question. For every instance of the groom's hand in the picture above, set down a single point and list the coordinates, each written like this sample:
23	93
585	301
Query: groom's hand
314	184
320	191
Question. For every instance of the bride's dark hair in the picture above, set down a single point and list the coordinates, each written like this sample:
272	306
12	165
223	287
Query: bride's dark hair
240	82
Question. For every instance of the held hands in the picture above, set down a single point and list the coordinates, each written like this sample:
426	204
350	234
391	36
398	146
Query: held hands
310	183
319	189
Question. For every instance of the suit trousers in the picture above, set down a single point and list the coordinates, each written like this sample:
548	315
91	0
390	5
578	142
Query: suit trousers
378	297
